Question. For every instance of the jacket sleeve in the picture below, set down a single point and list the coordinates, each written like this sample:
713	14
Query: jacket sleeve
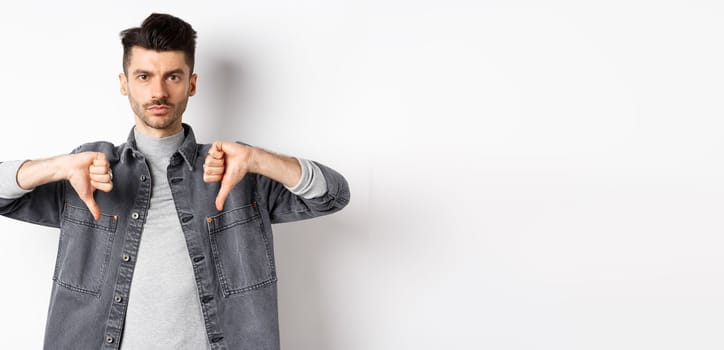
284	206
42	206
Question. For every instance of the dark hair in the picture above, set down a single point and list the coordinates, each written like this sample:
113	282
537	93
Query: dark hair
160	32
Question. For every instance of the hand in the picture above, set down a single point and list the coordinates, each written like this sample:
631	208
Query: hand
87	172
227	162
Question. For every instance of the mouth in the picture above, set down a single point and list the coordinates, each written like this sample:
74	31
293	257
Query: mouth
159	109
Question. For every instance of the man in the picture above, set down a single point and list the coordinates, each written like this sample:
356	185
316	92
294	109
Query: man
165	243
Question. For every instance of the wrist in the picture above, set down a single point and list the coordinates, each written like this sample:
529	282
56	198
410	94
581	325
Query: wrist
60	166
253	164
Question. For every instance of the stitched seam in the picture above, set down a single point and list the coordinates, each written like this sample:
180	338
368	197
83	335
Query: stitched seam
232	210
111	228
86	224
253	287
76	289
236	223
269	257
217	262
110	231
217	257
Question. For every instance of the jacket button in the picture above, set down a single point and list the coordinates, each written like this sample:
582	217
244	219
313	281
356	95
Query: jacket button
198	258
117	299
109	339
207	299
126	257
134	216
143	178
217	339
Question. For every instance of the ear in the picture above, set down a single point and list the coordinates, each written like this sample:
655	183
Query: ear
124	84
192	84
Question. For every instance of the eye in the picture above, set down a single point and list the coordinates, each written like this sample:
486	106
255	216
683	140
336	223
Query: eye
142	77
173	77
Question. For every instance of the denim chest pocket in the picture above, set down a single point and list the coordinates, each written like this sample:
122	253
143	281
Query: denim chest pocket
84	250
241	250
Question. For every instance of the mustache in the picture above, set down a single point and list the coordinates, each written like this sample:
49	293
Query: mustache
159	102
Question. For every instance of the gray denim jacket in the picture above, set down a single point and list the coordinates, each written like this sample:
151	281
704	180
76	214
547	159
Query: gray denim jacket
231	251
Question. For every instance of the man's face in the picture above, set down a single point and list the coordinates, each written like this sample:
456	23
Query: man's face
158	85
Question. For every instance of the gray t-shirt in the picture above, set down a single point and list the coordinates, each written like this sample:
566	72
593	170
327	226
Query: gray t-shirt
164	311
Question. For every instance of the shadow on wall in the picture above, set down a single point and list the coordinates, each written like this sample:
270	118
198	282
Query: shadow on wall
300	248
304	251
225	84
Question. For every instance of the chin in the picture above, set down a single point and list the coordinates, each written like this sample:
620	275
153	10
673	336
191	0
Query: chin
154	123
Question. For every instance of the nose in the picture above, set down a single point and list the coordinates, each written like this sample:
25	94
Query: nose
158	89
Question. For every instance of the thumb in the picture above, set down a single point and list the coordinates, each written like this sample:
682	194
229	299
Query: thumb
226	186
101	156
90	202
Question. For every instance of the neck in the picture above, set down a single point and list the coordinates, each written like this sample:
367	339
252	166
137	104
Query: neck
158	147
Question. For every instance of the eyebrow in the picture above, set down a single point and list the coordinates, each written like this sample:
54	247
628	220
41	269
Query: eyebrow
175	71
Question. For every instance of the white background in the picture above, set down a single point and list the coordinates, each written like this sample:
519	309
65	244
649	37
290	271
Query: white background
524	174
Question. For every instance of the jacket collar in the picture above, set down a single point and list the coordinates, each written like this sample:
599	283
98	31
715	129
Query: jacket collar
188	149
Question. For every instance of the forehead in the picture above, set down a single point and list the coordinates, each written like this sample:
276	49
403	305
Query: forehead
161	61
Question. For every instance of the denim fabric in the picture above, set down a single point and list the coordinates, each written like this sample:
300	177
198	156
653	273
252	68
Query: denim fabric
232	251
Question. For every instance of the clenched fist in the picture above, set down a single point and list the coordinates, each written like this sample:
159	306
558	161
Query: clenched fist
87	172
226	162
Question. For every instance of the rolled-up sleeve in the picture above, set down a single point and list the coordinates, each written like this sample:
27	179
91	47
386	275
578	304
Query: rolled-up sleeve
285	206
9	188
311	183
41	205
